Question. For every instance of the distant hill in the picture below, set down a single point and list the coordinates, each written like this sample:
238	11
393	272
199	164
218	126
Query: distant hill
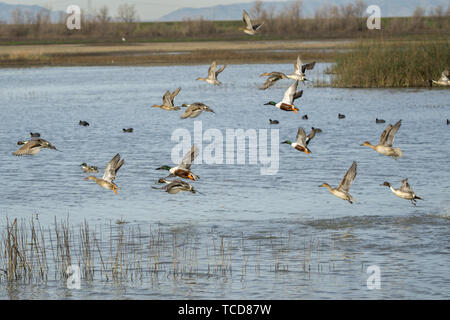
6	11
389	8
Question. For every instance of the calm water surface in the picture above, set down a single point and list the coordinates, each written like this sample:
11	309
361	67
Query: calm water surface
268	220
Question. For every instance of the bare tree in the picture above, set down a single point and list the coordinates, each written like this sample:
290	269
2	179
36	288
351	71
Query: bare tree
102	15
127	13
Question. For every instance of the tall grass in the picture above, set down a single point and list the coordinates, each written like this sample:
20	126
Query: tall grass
30	253
387	64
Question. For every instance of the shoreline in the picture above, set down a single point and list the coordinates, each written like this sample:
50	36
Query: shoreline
149	54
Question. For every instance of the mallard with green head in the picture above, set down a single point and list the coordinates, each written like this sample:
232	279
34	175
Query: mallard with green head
289	97
302	141
183	170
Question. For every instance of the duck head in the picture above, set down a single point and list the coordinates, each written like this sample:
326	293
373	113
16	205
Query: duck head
163	168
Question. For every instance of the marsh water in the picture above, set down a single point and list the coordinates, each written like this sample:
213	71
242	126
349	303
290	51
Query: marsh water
280	236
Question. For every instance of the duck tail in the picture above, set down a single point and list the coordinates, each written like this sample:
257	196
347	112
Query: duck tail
417	197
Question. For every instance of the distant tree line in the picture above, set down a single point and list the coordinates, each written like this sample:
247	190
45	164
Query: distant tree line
328	21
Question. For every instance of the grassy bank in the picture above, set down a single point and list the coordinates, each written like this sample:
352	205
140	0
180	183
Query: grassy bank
391	64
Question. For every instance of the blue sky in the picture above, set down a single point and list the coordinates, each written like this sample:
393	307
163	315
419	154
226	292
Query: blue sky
151	9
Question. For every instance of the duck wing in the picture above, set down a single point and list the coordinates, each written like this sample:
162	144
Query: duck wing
189	158
167	99
301	137
312	134
247	20
308	66
29	148
405	186
389	140
348	178
212	71
111	169
174	94
289	94
273	77
220	70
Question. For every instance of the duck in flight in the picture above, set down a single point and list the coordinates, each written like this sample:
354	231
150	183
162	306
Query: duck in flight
33	146
193	110
404	192
250	28
175	186
213	74
168	101
302	141
287	104
298	74
87	168
107	181
386	141
342	190
183	170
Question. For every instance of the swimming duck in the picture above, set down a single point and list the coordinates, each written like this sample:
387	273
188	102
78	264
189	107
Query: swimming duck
386	140
128	130
289	97
193	110
341	116
87	168
183	170
298	74
83	123
404	192
448	121
342	190
107	181
302	141
250	28
213	74
273	121
444	80
379	120
168	101
175	186
33	146
305	117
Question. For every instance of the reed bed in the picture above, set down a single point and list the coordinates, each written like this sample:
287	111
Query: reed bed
391	64
118	253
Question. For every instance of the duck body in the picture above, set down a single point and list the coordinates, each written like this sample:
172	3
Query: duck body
176	186
183	170
273	121
83	123
342	191
87	168
213	74
33	146
287	104
385	146
379	120
107	181
404	192
195	109
168	101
